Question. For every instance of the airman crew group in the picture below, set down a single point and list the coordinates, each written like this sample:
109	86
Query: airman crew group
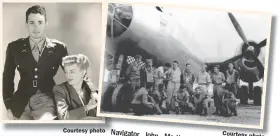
167	88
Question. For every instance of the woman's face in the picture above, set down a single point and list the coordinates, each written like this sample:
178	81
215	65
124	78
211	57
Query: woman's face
74	74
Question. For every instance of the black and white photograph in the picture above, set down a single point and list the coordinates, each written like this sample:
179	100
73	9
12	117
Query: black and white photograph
185	65
51	62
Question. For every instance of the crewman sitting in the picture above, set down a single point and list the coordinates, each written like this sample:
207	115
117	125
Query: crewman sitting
229	104
143	103
202	101
182	103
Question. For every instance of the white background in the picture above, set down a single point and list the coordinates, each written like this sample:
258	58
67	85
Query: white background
272	101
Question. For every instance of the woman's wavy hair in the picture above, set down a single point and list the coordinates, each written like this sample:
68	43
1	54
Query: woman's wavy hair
81	60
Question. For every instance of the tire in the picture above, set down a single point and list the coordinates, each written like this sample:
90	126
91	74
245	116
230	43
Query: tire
244	95
121	98
106	103
257	96
117	98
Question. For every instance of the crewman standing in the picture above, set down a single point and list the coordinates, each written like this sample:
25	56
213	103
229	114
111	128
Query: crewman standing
37	58
188	78
232	79
133	73
149	73
203	78
174	77
218	79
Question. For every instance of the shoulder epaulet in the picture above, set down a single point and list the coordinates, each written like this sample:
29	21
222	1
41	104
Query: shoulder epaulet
19	40
57	41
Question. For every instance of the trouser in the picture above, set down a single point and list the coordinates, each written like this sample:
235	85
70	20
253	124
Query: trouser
218	95
135	84
157	83
229	106
184	106
40	107
232	88
190	88
143	109
171	89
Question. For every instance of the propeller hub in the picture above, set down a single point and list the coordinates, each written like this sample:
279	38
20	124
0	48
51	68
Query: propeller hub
250	48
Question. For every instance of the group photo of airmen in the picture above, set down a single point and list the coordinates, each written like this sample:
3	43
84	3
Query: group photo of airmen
44	78
167	89
180	64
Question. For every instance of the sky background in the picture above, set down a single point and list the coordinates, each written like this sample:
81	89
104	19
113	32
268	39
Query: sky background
214	33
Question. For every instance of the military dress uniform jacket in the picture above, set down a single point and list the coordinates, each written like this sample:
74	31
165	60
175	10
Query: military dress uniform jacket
33	75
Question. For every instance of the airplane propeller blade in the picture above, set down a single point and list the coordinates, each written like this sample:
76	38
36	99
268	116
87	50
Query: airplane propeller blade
238	28
262	44
243	37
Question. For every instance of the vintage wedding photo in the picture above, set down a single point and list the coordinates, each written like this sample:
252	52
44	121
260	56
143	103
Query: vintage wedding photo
186	65
51	61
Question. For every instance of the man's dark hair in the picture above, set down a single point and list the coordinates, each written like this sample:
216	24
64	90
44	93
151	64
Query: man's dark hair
188	64
182	86
167	65
149	86
175	61
216	66
36	9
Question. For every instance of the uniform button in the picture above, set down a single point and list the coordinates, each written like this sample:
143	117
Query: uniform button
36	69
36	76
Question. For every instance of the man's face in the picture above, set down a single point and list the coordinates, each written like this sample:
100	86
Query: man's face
175	65
139	59
36	25
149	63
230	66
203	69
182	90
216	70
188	67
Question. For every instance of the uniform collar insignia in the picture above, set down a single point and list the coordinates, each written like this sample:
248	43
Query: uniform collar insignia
49	43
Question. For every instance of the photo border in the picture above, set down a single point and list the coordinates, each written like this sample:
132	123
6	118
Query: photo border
98	120
212	123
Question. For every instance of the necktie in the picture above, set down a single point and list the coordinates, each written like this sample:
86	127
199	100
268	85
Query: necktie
36	52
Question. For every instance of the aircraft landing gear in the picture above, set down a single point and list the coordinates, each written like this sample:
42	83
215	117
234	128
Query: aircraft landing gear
106	103
121	98
257	95
244	94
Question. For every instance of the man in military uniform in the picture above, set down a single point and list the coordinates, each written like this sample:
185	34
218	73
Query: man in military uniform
232	79
143	103
133	73
218	79
182	101
37	58
203	78
188	78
